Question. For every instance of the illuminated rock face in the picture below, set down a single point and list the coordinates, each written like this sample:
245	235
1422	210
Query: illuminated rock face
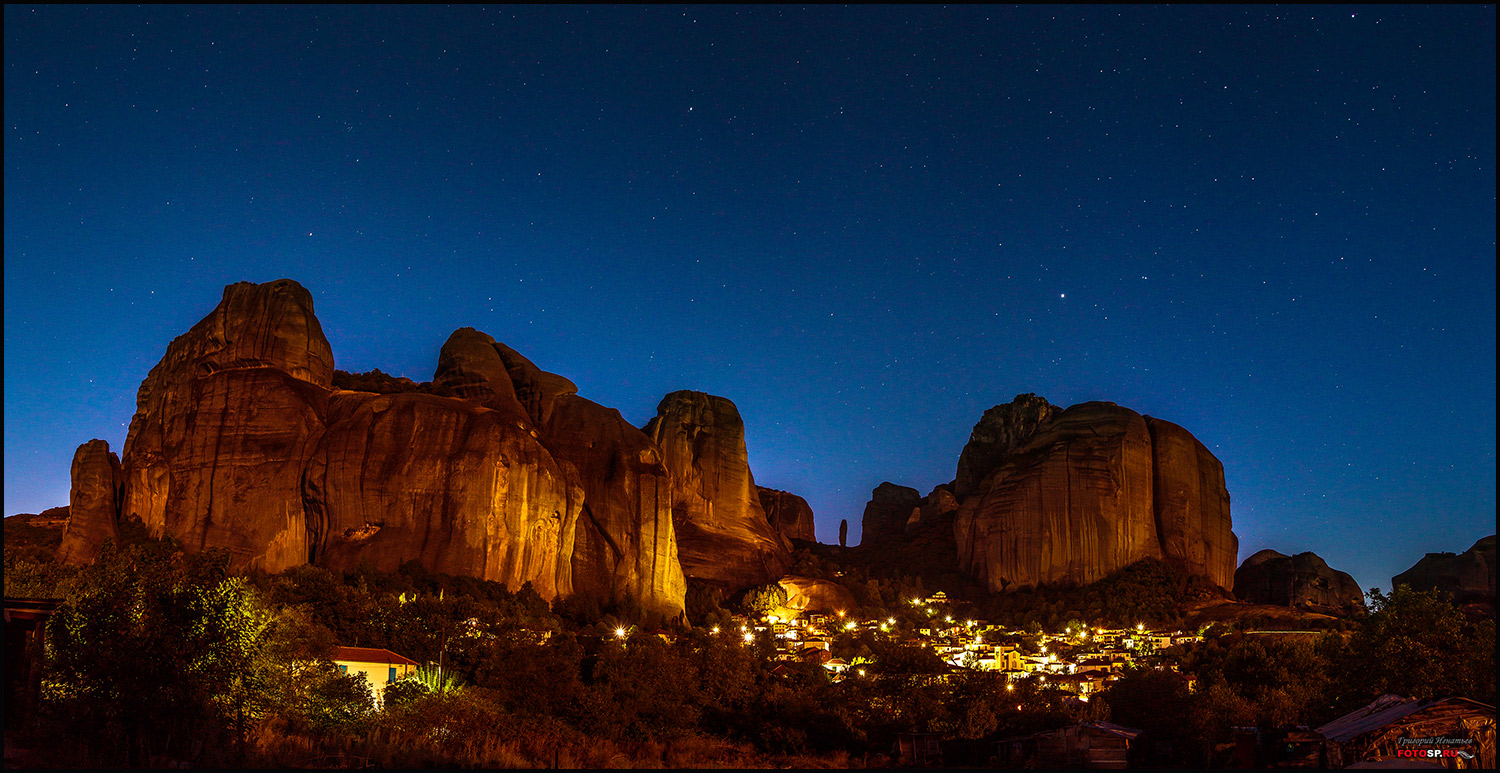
788	513
463	489
240	442
225	423
806	594
1070	496
626	548
723	536
93	503
1303	581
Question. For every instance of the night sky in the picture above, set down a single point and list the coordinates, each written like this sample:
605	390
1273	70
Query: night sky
865	226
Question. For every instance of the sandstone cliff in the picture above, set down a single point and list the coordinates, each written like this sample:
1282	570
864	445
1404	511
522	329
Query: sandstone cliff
240	442
807	594
1468	576
225	423
788	513
886	514
1303	581
93	503
723	536
1067	497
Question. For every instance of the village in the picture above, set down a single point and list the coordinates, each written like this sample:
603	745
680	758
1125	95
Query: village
1079	660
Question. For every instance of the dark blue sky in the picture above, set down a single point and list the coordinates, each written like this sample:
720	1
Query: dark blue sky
1273	226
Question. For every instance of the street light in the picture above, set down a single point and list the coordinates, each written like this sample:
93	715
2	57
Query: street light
749	637
619	633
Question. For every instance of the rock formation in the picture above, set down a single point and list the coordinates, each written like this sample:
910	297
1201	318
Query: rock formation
1303	581
807	594
1067	497
240	442
999	432
932	509
225	423
625	547
463	489
723	535
1191	504
788	513
93	503
843	532
1468	576
886	514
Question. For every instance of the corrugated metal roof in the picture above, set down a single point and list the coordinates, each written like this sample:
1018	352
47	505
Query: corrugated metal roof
1114	729
1383	711
372	655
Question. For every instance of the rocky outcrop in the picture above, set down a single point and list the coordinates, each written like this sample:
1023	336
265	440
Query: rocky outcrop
788	513
93	503
1191	504
1468	576
1303	581
806	594
1049	497
886	514
498	470
463	489
723	536
1069	507
224	423
999	432
932	510
625	548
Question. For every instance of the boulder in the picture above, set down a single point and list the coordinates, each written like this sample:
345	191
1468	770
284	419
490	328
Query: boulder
999	432
723	536
1191	504
93	503
1468	576
1303	581
886	514
1067	508
788	513
806	594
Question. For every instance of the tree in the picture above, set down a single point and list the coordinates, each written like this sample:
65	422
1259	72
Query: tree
1416	644
154	650
763	600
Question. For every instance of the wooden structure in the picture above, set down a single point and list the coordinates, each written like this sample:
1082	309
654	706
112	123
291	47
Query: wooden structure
1392	725
25	630
1099	745
919	749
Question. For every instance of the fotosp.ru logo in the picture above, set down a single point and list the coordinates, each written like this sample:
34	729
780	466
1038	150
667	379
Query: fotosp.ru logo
1433	747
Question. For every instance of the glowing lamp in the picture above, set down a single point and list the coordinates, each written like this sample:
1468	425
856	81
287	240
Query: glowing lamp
619	633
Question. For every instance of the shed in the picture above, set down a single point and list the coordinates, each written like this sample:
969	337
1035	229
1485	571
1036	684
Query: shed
25	629
1085	744
919	749
1396	728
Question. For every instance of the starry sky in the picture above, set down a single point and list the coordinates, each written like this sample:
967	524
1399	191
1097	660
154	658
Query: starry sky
1274	226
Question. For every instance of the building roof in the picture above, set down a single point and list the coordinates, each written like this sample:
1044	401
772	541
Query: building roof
1114	729
1383	711
372	655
